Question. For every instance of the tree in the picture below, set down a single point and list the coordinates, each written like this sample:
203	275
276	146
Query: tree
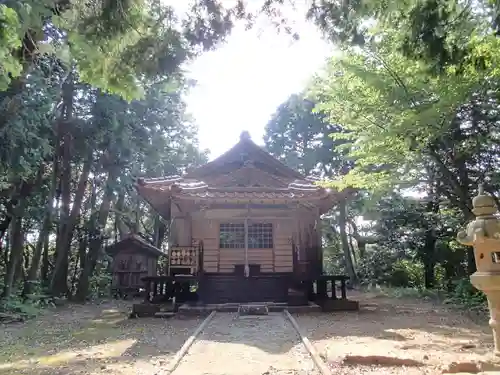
438	33
302	139
68	167
117	45
405	125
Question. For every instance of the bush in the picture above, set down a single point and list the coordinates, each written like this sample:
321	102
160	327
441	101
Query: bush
100	285
406	274
15	309
383	266
376	266
466	295
426	294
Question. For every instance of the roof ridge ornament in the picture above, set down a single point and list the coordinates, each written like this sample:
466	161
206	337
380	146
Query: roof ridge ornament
245	136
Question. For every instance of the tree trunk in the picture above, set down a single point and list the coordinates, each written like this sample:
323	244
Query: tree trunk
67	236
5	223
160	231
429	259
17	243
59	281
360	240
19	193
96	240
342	222
45	262
42	237
16	252
120	226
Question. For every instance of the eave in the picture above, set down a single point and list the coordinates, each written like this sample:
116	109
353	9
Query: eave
159	192
133	241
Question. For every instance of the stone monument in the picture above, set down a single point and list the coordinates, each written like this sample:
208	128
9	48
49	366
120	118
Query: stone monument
484	235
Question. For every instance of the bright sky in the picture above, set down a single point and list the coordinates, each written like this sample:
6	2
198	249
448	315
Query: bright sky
241	84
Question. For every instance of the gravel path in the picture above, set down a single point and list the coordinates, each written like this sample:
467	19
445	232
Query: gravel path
258	345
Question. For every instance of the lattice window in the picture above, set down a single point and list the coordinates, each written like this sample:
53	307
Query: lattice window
260	236
232	236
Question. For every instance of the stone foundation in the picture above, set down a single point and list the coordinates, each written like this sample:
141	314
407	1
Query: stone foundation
252	310
140	310
339	305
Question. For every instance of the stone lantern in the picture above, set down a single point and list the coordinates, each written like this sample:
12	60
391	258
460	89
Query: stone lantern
484	235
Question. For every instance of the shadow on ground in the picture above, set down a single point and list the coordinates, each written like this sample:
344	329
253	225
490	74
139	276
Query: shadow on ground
405	328
94	338
99	339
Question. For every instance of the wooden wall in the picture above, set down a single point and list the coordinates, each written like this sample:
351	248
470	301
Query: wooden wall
131	276
207	231
283	245
181	231
287	224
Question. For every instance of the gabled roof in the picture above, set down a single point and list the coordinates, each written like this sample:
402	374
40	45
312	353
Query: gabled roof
245	150
133	242
245	173
248	175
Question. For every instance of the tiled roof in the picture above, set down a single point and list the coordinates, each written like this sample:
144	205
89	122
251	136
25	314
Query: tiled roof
180	184
290	193
136	241
245	147
249	194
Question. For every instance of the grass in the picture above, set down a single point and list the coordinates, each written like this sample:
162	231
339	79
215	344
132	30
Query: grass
413	293
40	338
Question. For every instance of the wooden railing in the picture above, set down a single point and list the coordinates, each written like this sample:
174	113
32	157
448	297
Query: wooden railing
186	258
325	287
159	289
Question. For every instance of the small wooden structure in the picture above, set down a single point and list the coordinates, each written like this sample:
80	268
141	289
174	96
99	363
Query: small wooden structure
244	227
133	259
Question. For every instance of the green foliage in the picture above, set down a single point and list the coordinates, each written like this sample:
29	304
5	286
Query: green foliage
466	295
100	285
53	127
27	128
301	138
18	309
376	266
407	273
9	24
436	33
118	46
392	111
382	266
414	293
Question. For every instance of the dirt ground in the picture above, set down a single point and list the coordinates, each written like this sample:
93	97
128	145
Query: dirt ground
432	335
98	339
90	340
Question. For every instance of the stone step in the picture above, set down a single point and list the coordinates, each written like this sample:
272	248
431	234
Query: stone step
164	314
253	310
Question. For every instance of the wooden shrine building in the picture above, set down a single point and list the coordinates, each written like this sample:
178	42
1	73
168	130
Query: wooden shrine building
244	226
133	259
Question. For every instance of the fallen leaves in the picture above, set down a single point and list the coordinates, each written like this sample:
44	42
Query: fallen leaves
89	340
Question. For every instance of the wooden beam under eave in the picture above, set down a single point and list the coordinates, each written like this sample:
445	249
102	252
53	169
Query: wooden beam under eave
160	201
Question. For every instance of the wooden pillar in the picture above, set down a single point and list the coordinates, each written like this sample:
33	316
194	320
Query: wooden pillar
247	267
